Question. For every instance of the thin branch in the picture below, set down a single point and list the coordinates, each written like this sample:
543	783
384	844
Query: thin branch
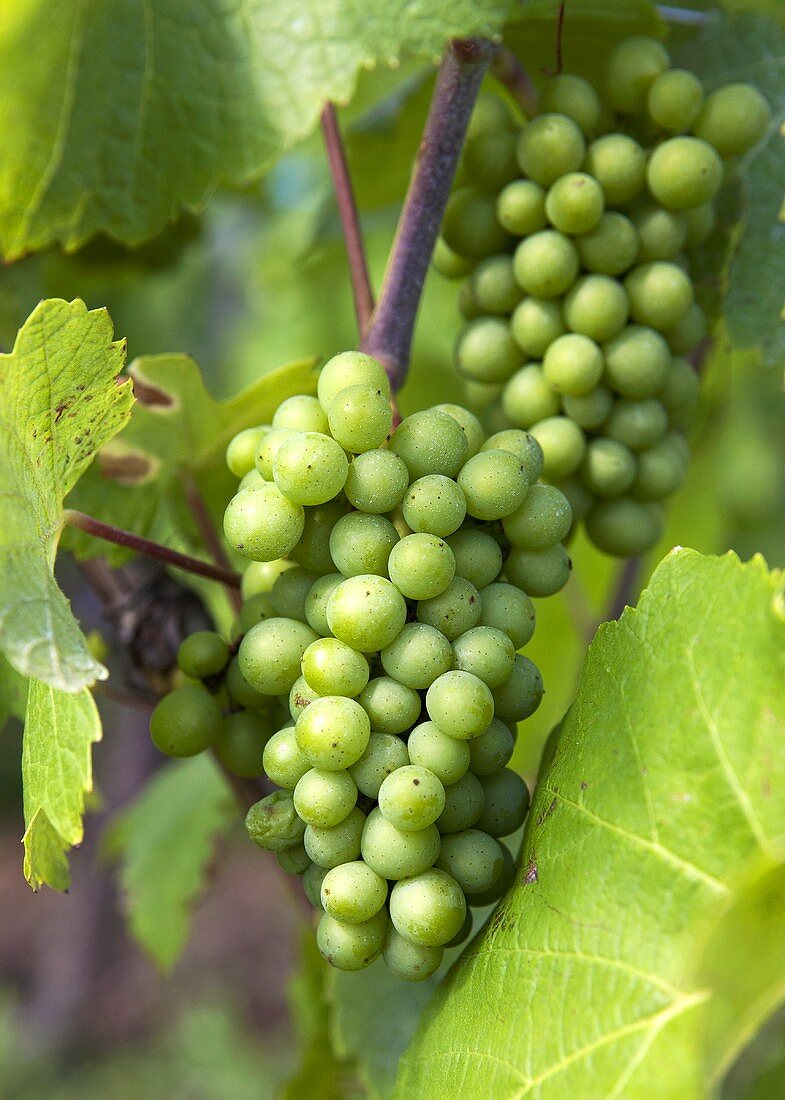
579	607
510	72
389	336
350	220
560	38
624	588
209	535
149	548
685	16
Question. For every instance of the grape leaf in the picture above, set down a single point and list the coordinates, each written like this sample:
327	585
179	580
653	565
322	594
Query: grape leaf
13	692
163	843
60	730
623	962
59	401
209	93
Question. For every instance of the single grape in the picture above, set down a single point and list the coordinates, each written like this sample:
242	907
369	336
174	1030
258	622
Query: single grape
384	755
241	692
360	417
536	323
580	500
453	611
273	823
270	654
255	610
376	481
412	962
445	756
337	844
486	350
434	505
486	652
417	656
473	858
362	543
460	704
290	592
312	552
301	413
609	467
421	566
674	100
470	227
241	452
366	612
493	285
528	398
260	576
481	394
575	203
688	332
494	484
550	146
472	428
684	172
448	263
428	908
733	119
660	294
352	893
611	248
262	524
591	410
203	654
313	878
637	361
618	163
490	114
294	860
662	468
396	854
682	386
542	520
573	365
662	233
350	368
506	803
351	946
324	798
597	306
241	741
391	707
310	468
334	668
300	697
333	732
637	424
539	572
503	882
507	608
492	749
269	446
186	721
563	445
430	442
573	96
624	527
411	798
633	66
520	208
546	263
252	480
523	446
283	760
701	223
463	804
521	694
489	159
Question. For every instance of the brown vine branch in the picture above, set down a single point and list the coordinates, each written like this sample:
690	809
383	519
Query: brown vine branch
350	219
208	534
508	71
389	336
625	588
149	548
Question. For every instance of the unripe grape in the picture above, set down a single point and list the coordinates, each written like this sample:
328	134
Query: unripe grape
591	410
334	668
447	757
521	694
546	263
637	362
674	100
351	946
300	697
333	732
241	452
241	692
485	652
367	612
472	428
448	263
290	592
337	844
430	442
478	557
701	223
301	413
412	962
417	656
470	227
682	386
463	805
464	932
542	520
324	798
460	704
503	882
684	172
283	760
507	608
633	66
186	721
573	96
523	446
506	803
662	233
733	119
492	749
262	524
486	351
520	207
428	909
394	853
316	602
350	368
392	707
252	480
241	741
312	552
612	247
539	572
421	566
434	505
688	332
352	893
662	468
269	446
637	424
203	654
575	203
494	484
597	306
360	417
550	146
453	611
528	398
260	576
310	468
294	860
624	527
362	543
270	654
489	159
618	163
273	822
572	365
312	883
473	858
609	467
535	324
660	294
376	481
411	798
493	285
384	755
490	114
254	610
563	445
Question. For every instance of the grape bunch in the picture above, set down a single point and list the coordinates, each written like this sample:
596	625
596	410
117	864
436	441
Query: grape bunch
577	232
374	675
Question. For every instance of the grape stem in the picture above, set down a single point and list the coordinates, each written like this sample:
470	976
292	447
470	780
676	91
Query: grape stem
624	588
389	336
508	71
350	219
149	548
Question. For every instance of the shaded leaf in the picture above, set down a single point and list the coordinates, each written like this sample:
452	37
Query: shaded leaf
13	692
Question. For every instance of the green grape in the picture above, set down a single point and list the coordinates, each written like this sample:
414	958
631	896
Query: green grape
317	599
523	446
470	227
366	612
269	446
489	159
520	208
489	115
487	352
521	694
283	760
633	66
262	524
391	707
396	854
310	468
674	100
384	755
609	467
528	398
186	721
684	172
597	306
575	203
550	146
506	803
411	962
203	654
301	413
546	263
421	566
418	656
503	882
688	332
493	285
241	452
492	749
662	468
430	442
453	611
324	798
573	96
360	417
472	428
701	223
254	610
313	878
637	424
486	652
428	909
240	743
733	119
300	697
448	263
350	368
539	572
637	361
473	859
662	233
580	500
362	543
660	294
376	481
536	323
312	552
682	386
507	608
463	804
260	576
544	518
411	798
591	410
252	480
447	757
494	482
294	860
624	527
333	732
618	163
334	668
290	592
612	247
481	394
270	654
434	505
351	946
273	823
467	304
573	365
241	692
352	893
460	704
477	556
563	445
330	847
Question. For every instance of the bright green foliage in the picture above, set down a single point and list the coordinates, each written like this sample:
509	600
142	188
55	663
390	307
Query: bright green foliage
58	404
163	844
655	998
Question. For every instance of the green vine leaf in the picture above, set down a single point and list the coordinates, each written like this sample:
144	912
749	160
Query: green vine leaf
60	730
59	402
642	943
163	844
13	693
75	161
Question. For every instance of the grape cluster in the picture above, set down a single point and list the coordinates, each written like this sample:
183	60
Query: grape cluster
577	233
374	675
